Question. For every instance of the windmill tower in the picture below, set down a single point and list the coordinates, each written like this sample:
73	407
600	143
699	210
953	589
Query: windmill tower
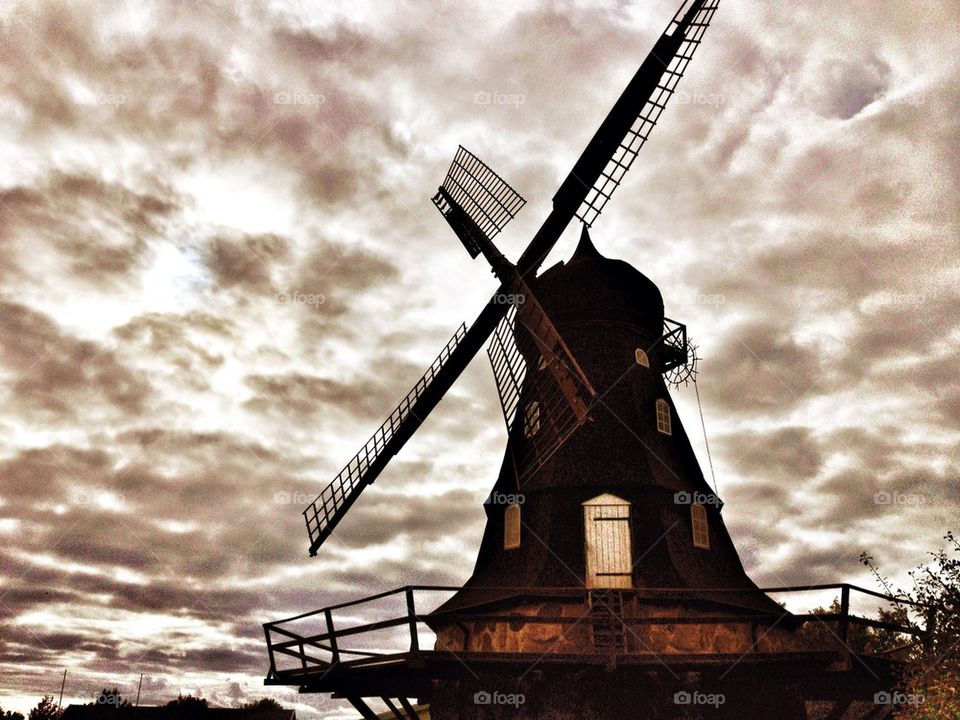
605	578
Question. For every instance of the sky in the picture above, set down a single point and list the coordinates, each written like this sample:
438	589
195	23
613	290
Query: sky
220	269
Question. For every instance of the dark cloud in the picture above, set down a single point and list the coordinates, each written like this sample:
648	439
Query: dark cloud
179	342
785	456
338	270
848	86
245	262
763	369
50	472
386	517
908	323
948	404
55	373
301	396
98	228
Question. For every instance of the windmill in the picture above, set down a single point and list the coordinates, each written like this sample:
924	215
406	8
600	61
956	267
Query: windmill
605	577
478	204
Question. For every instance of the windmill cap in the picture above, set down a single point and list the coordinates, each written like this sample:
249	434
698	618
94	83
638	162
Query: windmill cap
591	284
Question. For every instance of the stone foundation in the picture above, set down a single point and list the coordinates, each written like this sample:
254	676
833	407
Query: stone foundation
579	634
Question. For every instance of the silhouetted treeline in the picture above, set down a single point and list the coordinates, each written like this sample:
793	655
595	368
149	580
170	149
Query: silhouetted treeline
111	703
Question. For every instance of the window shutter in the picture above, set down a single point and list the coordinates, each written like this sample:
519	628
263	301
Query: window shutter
701	531
511	527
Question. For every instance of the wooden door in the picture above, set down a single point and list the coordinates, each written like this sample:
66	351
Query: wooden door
607	542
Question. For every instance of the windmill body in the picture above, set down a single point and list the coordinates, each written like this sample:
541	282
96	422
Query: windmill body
607	311
606	584
622	505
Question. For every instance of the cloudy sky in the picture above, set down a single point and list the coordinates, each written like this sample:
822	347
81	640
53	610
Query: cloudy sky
219	269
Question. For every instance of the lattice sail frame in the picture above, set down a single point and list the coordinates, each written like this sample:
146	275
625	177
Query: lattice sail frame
323	514
649	116
473	198
542	405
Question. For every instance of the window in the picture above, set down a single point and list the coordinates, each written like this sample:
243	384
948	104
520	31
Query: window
701	532
642	358
531	419
511	527
663	417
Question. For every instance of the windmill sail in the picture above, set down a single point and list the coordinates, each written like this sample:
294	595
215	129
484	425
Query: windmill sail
544	394
475	201
609	154
687	27
323	514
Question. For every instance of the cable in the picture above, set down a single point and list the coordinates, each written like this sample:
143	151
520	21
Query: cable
705	441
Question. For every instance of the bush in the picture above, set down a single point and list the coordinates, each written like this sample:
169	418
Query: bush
46	709
934	677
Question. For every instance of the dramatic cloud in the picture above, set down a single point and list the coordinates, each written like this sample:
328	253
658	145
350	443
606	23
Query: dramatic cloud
54	372
220	269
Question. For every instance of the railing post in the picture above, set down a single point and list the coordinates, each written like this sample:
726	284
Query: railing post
273	665
412	614
931	629
844	623
335	651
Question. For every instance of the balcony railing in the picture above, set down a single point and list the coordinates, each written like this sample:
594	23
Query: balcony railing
388	627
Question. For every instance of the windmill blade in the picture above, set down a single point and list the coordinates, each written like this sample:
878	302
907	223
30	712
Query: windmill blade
611	151
477	203
328	509
323	514
687	29
544	394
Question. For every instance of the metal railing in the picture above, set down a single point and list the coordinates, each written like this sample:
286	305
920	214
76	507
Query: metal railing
335	645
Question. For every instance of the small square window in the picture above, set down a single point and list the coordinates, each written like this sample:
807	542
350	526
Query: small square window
642	358
701	531
511	527
664	423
